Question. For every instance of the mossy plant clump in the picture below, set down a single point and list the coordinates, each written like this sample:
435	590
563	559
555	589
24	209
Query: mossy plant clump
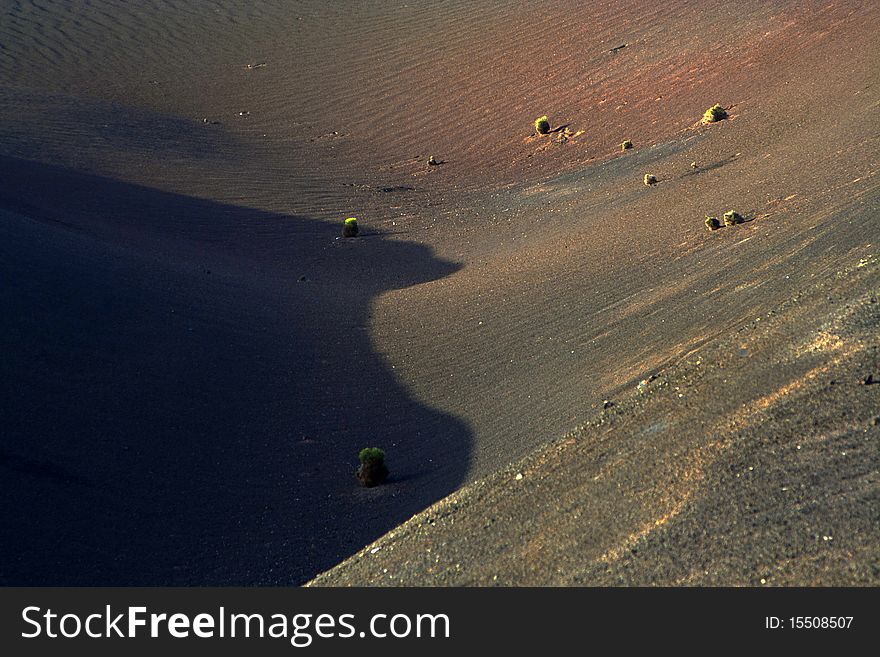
372	470
626	145
712	223
714	114
350	227
542	125
650	179
731	218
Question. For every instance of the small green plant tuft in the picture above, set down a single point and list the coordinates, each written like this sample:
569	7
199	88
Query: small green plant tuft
731	218
372	470
712	223
626	145
350	227
542	125
650	179
714	114
371	454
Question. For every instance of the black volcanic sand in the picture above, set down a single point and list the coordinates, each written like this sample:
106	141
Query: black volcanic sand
754	462
179	407
182	408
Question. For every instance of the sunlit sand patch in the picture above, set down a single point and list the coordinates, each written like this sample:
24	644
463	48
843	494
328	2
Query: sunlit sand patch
675	499
749	284
653	360
755	408
541	188
824	341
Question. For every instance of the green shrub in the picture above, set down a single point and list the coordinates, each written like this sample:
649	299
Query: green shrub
732	218
714	113
372	470
650	179
626	145
712	223
431	161
350	227
371	454
542	125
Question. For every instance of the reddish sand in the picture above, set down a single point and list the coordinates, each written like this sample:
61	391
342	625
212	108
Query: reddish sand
492	303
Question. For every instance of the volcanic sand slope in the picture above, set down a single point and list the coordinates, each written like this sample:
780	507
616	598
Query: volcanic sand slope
181	407
753	462
510	291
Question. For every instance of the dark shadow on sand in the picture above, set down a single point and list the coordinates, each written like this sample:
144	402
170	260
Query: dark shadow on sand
178	407
705	168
